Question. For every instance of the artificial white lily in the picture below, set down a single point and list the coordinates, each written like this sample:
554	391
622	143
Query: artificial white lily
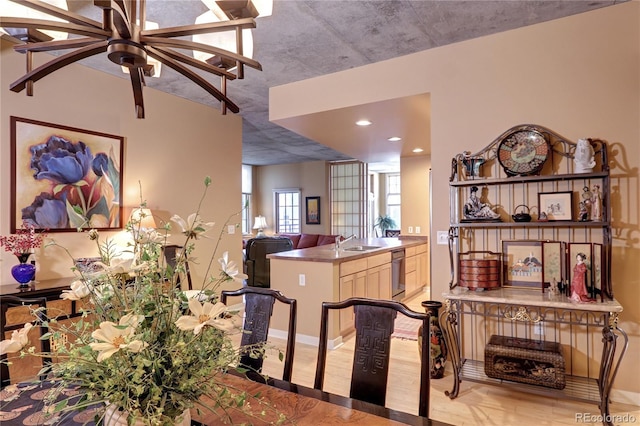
148	236
111	337
79	290
118	265
205	314
230	268
18	340
193	227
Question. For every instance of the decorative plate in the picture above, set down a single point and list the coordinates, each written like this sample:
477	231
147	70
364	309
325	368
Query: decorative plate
523	152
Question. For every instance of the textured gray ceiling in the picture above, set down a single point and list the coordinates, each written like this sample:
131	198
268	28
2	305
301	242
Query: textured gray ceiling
308	38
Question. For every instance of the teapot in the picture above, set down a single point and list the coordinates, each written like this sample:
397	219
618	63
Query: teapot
523	216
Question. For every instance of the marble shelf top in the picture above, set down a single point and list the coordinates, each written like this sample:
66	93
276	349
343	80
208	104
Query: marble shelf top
528	297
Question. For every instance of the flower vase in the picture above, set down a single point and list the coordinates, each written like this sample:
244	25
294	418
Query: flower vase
23	272
438	347
114	416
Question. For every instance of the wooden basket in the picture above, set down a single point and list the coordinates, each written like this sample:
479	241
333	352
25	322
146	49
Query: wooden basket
536	362
479	273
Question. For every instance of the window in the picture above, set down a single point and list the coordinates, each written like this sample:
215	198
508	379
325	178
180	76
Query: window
247	177
287	208
393	198
349	199
246	213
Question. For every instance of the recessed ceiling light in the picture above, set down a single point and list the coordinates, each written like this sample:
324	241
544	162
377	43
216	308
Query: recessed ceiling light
394	139
417	150
363	122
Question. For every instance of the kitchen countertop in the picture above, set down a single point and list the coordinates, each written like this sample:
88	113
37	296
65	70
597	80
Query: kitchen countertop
327	252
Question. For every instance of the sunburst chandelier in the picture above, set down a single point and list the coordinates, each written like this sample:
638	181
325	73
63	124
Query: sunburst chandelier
129	43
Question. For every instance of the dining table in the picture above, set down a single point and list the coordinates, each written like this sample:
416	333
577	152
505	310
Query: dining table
23	404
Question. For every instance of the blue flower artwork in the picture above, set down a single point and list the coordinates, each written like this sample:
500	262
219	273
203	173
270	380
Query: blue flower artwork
65	178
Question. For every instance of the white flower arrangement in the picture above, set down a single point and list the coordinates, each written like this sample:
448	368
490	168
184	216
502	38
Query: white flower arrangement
141	344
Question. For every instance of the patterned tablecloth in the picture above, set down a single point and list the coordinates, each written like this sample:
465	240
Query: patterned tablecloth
24	404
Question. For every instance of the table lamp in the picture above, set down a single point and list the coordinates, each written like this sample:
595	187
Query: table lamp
260	223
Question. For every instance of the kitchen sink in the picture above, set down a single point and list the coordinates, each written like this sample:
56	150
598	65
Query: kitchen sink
361	248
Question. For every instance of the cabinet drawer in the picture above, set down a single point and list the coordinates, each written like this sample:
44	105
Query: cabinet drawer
421	249
353	266
378	259
410	251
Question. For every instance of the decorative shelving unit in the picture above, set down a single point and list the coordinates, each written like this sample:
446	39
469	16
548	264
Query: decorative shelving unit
587	332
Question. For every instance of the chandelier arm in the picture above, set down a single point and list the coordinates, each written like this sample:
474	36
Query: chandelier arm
120	18
136	84
196	78
52	10
46	46
191	45
143	13
57	63
190	60
42	24
206	28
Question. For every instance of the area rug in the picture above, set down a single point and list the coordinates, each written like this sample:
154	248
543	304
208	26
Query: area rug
406	328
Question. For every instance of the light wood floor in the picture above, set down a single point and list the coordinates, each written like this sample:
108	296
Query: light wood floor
476	404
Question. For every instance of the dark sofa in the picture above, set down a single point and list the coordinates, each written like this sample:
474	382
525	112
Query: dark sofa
301	241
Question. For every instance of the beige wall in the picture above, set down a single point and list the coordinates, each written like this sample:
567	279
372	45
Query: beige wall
170	152
311	178
414	178
579	76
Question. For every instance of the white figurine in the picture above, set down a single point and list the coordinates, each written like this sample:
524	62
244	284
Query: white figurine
554	290
583	158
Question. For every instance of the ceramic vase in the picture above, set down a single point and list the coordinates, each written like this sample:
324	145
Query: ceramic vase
114	416
472	166
438	346
23	272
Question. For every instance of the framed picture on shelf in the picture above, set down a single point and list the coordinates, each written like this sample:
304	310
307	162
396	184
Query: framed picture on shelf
313	210
556	205
522	262
582	249
554	262
597	270
64	178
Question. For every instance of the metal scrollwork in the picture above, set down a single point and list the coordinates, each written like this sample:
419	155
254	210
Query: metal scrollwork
522	315
613	319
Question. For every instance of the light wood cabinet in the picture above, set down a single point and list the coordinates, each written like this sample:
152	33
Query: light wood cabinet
422	266
379	282
416	269
352	285
367	277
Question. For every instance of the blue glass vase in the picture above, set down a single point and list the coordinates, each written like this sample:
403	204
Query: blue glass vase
23	272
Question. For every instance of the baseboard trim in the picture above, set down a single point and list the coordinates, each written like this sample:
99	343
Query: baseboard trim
625	397
306	339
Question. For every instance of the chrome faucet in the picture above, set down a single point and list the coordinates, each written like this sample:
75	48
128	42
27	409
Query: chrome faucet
340	242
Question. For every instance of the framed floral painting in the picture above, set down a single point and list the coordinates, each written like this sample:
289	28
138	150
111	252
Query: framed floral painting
554	262
313	210
64	178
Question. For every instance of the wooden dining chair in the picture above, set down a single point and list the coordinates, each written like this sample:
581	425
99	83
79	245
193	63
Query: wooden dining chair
374	323
259	304
171	252
6	328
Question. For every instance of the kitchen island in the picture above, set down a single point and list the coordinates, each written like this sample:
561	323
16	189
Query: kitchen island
361	268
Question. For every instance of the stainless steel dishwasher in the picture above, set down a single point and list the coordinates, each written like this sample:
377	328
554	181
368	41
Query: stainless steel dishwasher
397	274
